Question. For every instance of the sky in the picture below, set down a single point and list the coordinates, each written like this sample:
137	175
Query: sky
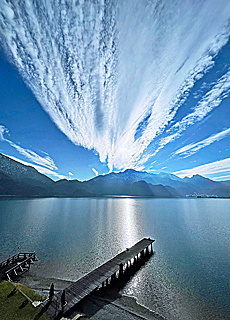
92	87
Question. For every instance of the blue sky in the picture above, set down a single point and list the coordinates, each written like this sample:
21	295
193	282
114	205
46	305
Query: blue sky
86	89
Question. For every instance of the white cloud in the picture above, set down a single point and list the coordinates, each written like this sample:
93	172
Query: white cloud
212	99
31	155
96	85
3	130
226	177
192	148
39	168
95	171
34	157
70	174
44	165
206	169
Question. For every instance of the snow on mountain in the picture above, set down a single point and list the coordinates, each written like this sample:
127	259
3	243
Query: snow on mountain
16	178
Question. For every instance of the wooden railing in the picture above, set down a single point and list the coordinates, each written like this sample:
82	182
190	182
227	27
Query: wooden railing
20	255
21	266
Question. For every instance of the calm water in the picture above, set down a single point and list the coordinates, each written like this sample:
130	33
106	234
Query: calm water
188	275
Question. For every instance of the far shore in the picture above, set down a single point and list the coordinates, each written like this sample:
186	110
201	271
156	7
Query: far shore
20	197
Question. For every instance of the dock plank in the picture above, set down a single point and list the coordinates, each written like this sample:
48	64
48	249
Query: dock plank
93	280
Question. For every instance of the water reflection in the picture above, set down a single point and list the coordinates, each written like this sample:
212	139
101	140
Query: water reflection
73	236
112	232
129	222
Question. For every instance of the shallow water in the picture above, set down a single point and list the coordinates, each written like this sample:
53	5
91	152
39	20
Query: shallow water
187	278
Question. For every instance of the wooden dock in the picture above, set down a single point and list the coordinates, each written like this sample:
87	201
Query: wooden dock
16	264
105	275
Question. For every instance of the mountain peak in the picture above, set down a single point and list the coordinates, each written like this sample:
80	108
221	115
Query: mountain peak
18	179
198	176
130	171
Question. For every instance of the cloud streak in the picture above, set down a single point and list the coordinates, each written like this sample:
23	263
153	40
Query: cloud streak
39	168
34	157
99	84
211	100
206	169
95	172
192	148
3	130
44	165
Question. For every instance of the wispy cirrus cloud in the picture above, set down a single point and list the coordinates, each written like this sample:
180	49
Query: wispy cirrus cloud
207	170
222	177
211	100
44	165
34	157
98	83
39	168
192	148
3	130
95	172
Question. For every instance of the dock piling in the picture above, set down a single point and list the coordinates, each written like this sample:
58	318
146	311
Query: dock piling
117	269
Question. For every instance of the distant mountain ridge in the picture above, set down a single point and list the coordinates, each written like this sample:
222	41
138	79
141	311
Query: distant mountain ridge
17	179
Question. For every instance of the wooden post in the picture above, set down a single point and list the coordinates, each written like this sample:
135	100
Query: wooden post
113	277
63	301
51	293
130	264
121	270
142	255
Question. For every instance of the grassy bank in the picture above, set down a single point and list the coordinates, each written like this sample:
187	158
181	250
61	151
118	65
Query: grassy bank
9	307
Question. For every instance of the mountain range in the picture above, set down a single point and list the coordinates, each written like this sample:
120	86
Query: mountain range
17	179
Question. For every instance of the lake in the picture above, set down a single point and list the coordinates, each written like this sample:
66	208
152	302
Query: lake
187	278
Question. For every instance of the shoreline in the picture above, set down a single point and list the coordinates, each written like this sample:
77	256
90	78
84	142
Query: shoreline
112	303
105	196
98	306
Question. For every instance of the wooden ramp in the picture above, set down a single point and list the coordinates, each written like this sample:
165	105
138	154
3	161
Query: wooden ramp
101	276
